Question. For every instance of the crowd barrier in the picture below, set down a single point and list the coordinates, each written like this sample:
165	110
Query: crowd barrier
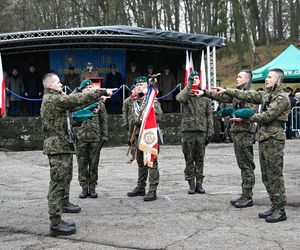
295	119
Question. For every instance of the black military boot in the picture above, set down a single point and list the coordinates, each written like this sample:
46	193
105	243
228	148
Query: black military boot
233	201
84	193
68	223
62	229
276	216
269	212
192	188
71	208
244	202
138	191
151	196
92	191
200	189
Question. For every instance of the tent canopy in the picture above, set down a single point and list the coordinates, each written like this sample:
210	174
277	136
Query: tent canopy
288	61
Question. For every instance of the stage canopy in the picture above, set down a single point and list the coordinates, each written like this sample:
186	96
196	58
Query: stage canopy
288	61
119	36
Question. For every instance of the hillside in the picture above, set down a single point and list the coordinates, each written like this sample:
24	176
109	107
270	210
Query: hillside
228	67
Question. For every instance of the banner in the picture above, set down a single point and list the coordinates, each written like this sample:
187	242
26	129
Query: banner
148	137
2	89
61	60
202	72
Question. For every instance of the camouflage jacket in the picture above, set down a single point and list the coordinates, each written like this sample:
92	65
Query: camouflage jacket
95	129
54	117
275	111
246	125
128	116
197	112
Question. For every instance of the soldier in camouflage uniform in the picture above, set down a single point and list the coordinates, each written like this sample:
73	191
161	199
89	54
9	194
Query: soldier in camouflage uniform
91	135
242	134
271	137
143	171
58	149
197	128
129	118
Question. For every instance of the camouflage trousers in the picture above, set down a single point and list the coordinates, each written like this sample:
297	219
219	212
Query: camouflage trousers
61	170
243	149
144	170
193	148
271	163
88	156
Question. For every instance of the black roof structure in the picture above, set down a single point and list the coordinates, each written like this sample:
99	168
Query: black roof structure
119	36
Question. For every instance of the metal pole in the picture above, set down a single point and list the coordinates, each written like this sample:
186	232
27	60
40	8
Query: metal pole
208	66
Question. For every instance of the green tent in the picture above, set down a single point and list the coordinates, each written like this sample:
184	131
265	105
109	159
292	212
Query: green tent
288	61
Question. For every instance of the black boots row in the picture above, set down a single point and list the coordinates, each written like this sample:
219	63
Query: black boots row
151	195
272	215
88	191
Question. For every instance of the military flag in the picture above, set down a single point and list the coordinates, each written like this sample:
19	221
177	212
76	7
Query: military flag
191	63
2	90
148	136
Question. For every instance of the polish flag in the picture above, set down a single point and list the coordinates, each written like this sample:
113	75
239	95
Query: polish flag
187	68
202	73
191	63
2	90
148	136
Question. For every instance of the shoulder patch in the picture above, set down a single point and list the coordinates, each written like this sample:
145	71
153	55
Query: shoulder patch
279	98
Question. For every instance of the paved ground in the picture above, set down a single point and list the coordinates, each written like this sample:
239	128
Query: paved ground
175	221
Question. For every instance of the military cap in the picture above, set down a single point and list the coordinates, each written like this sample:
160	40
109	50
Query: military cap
149	67
191	76
140	79
132	87
89	64
113	66
226	112
243	113
85	83
132	64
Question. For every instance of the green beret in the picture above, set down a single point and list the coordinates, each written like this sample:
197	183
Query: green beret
92	106
140	79
191	76
85	83
82	115
132	87
243	113
226	112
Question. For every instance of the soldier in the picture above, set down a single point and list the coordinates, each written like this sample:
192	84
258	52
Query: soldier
197	128
129	118
143	170
72	78
91	135
89	72
243	136
59	148
271	137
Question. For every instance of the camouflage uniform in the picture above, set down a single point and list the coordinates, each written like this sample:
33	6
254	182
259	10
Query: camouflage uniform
128	117
196	126
54	124
143	170
271	137
243	136
90	135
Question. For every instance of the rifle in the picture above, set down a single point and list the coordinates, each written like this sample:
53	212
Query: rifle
71	139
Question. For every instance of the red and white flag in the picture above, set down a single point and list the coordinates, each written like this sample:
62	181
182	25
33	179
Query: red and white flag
187	68
202	73
191	63
2	90
148	136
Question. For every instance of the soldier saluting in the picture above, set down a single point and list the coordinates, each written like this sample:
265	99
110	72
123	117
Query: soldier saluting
271	137
59	151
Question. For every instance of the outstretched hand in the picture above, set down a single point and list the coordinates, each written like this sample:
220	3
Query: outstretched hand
219	90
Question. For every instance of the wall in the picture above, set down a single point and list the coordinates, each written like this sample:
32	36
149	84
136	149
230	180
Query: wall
24	133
